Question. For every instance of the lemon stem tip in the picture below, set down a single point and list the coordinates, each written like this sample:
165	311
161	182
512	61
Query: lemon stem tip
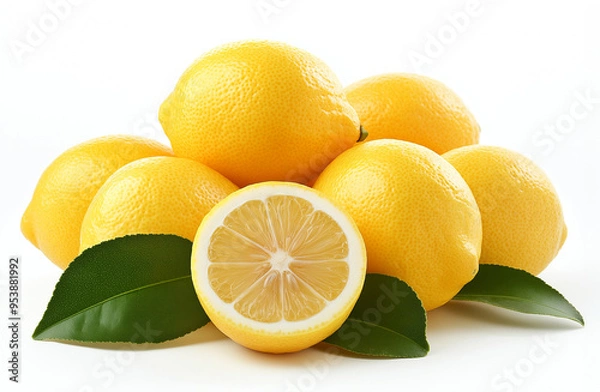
363	134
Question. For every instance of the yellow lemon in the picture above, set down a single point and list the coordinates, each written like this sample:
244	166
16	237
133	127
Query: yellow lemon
418	217
523	224
260	110
277	267
414	108
160	195
52	221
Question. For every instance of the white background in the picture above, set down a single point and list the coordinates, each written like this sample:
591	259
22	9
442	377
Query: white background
104	67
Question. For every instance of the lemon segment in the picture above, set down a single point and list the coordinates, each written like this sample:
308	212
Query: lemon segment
277	267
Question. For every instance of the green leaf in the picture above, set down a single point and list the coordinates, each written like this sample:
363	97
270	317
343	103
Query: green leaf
132	289
388	320
517	290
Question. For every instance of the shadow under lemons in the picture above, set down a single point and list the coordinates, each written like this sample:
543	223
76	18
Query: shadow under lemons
278	360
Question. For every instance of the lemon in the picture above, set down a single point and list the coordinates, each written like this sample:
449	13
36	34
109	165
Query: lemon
260	110
523	223
159	195
277	267
414	108
52	220
418	217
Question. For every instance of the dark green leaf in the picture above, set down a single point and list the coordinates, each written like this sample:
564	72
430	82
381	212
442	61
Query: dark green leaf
132	289
387	321
517	290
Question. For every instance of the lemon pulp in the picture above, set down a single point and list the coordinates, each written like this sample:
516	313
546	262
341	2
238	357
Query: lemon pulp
278	259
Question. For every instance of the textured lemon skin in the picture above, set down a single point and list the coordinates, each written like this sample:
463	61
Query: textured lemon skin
266	342
52	220
523	223
258	111
418	217
159	195
263	340
414	108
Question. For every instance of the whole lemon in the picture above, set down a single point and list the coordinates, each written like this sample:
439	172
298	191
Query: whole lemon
414	108
52	220
260	110
159	195
523	223
418	217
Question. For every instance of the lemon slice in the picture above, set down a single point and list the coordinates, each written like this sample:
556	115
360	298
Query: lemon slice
277	267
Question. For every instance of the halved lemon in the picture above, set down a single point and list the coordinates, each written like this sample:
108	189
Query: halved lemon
277	267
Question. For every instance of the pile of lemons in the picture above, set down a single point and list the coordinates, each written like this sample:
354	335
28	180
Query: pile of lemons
289	206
